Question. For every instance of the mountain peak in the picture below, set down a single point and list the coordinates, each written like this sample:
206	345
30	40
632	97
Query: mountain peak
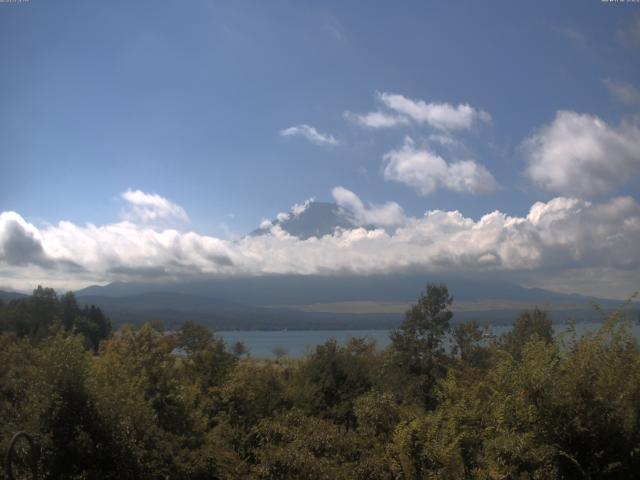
311	219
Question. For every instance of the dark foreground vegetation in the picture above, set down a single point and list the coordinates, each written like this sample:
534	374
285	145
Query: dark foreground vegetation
140	403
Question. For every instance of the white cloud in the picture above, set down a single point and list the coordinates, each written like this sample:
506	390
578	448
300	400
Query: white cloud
282	217
423	169
579	154
151	207
376	119
310	133
20	242
265	224
561	235
426	171
300	208
623	92
441	116
388	215
442	139
296	210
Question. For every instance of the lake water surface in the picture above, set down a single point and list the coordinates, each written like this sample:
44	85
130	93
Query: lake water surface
298	343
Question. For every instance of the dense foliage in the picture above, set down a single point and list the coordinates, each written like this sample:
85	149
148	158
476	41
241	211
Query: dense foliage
442	402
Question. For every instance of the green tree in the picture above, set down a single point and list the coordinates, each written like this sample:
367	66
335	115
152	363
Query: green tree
332	377
240	349
377	414
75	440
251	393
44	313
417	353
468	338
193	337
529	325
152	401
93	325
293	445
279	352
207	362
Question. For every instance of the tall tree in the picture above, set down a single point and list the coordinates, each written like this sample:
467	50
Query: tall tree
418	345
529	325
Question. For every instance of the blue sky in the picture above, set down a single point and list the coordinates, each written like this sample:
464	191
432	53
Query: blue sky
188	100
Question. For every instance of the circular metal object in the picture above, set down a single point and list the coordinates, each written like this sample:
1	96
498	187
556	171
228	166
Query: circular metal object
11	452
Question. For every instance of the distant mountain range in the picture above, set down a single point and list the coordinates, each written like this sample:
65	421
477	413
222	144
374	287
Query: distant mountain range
7	296
317	302
306	289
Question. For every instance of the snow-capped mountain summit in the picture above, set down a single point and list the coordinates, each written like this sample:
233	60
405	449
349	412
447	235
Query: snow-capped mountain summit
311	219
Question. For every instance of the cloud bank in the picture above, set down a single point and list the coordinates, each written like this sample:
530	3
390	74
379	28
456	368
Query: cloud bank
564	234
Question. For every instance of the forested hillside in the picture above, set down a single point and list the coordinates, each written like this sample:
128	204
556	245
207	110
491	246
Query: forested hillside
146	403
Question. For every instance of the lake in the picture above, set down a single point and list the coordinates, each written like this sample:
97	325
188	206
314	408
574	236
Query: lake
298	343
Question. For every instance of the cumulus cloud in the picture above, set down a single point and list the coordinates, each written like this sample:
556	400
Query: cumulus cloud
296	210
556	236
22	247
299	208
582	155
443	139
376	119
20	242
422	169
426	171
265	224
441	116
151	207
310	133
388	215
623	92
282	217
